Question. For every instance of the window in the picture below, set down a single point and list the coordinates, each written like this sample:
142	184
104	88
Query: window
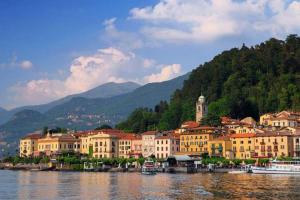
166	141
157	142
162	148
233	142
166	148
157	148
161	141
242	142
249	141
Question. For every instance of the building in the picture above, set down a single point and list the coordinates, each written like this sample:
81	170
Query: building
284	122
125	145
148	145
53	144
195	141
230	123
104	144
29	145
265	119
166	145
136	147
249	121
242	145
201	108
243	129
273	144
220	147
281	119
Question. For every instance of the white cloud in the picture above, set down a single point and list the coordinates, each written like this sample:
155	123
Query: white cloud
16	63
286	19
121	39
166	73
26	64
207	20
87	72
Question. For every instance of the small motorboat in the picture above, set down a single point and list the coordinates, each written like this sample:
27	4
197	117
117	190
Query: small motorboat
148	168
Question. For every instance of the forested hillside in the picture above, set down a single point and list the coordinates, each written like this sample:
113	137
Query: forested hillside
240	82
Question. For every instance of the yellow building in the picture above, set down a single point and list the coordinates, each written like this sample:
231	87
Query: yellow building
273	144
220	147
242	145
55	144
195	141
244	129
29	145
104	145
265	119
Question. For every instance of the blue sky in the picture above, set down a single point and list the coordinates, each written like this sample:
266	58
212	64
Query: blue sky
50	49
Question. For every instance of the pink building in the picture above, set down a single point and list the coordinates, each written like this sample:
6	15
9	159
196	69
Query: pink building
166	145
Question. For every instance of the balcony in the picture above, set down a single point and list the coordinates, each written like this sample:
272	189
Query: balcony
262	149
297	148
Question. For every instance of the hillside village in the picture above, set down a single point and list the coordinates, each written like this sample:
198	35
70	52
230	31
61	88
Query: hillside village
275	135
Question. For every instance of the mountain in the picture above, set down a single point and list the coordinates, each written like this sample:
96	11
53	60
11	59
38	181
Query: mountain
4	115
23	121
241	82
118	107
103	91
87	113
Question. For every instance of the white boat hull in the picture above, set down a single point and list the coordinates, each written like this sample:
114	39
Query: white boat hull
270	171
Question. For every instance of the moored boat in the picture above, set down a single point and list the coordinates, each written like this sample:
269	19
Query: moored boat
148	168
278	167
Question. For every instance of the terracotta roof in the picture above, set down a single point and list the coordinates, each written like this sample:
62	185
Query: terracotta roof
203	128
33	136
150	133
229	121
114	132
274	133
190	124
242	135
130	136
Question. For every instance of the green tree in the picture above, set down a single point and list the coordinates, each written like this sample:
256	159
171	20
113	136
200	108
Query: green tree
104	126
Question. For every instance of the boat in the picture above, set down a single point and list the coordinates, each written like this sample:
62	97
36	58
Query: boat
148	168
278	167
243	170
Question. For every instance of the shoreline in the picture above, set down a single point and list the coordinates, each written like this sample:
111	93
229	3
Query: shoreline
171	170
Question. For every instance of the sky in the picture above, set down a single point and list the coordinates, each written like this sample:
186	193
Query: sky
51	49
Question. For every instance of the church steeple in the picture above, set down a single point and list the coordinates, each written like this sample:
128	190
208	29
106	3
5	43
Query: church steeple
201	108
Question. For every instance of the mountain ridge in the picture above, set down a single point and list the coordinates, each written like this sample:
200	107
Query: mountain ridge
106	90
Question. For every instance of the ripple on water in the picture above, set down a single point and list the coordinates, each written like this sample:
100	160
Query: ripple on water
56	185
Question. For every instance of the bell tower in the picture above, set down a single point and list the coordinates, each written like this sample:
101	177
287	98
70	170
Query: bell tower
201	108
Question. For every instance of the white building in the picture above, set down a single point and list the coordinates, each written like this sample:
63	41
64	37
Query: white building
148	143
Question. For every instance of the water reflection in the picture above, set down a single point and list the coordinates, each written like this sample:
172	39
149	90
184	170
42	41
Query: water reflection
72	185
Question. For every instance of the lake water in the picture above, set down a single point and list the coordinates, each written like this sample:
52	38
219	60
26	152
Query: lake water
90	185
